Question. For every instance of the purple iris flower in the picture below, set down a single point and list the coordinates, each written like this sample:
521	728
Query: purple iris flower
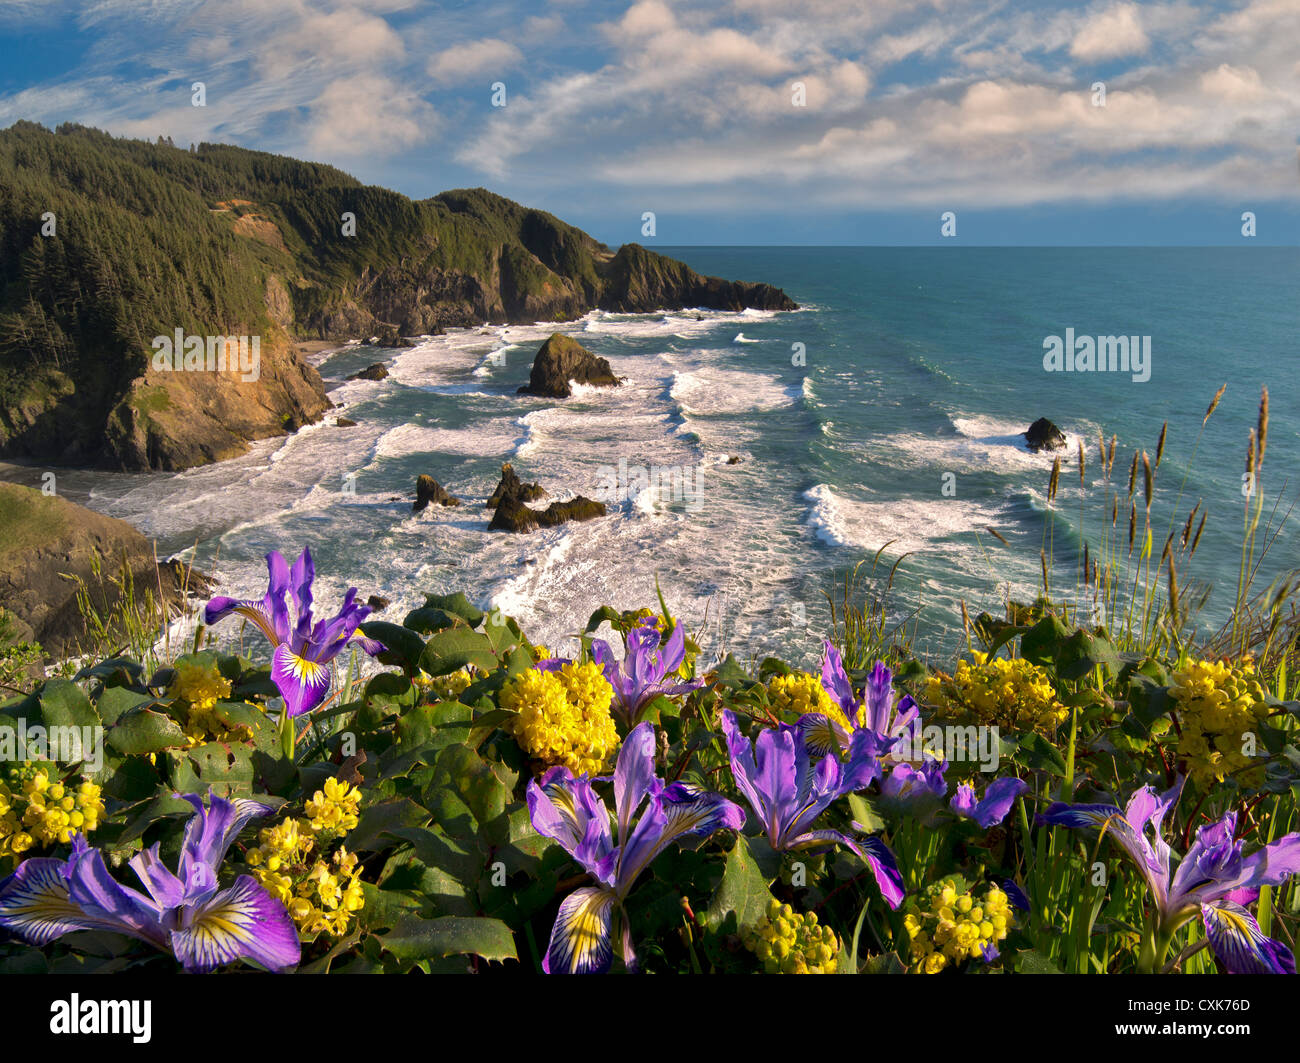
1212	880
185	914
993	807
874	711
917	792
567	809
299	664
642	676
788	792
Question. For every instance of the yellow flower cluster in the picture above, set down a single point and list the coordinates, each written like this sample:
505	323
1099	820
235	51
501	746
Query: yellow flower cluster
200	686
800	692
333	808
321	895
1012	694
1218	705
39	809
444	687
790	942
564	716
954	927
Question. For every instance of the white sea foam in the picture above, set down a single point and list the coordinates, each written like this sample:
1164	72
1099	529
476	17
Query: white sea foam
909	525
981	444
712	390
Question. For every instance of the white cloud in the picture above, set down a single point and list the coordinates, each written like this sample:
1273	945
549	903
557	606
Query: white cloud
368	114
490	56
1110	34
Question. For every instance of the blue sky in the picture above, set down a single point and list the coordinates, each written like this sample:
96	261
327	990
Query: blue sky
738	122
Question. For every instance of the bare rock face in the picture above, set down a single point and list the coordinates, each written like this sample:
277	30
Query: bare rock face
428	490
513	516
44	538
563	360
510	486
1043	435
176	419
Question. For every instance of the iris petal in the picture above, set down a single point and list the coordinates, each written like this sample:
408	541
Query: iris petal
821	734
302	683
241	923
1240	944
34	902
581	939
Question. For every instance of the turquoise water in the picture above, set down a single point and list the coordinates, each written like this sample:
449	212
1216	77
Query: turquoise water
922	366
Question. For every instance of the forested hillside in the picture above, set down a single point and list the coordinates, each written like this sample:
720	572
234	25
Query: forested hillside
106	243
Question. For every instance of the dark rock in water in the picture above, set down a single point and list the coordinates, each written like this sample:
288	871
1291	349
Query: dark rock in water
561	360
377	602
345	422
512	515
378	371
510	486
1043	435
427	490
733	460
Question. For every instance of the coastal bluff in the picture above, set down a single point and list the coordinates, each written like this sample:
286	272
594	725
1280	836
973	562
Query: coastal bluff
219	244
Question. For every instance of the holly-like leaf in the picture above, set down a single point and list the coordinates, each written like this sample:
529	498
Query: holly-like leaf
415	939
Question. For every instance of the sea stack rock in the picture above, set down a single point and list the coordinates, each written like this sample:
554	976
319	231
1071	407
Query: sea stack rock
1043	435
427	490
512	515
562	360
378	371
510	486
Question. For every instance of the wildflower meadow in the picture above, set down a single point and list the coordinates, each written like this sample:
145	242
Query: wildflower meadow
342	794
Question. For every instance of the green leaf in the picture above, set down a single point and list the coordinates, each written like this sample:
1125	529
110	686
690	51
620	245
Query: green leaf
115	702
415	939
122	671
386	816
64	704
145	731
601	615
227	768
1039	754
451	650
403	646
384	908
1083	651
742	896
1149	700
456	604
1039	644
485	787
731	674
864	812
1031	961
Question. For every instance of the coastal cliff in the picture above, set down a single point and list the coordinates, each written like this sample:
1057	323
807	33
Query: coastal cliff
109	245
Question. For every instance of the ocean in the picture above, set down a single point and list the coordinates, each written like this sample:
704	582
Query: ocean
879	422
